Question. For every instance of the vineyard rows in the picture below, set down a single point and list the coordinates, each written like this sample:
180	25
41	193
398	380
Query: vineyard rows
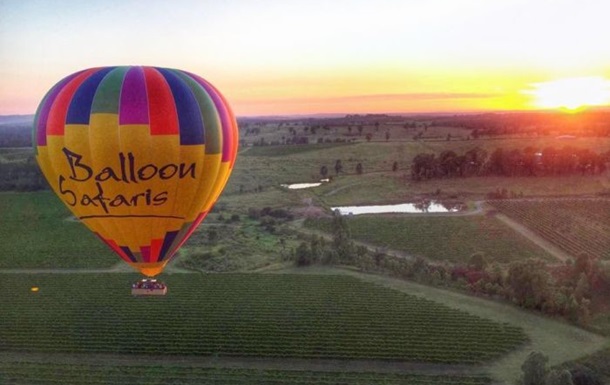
35	233
574	225
441	238
65	374
243	315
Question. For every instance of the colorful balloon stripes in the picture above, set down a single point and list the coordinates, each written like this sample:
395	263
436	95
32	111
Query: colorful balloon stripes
139	154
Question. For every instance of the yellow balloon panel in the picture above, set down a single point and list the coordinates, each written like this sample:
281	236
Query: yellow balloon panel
128	150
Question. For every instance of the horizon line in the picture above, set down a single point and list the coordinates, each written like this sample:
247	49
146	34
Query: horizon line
395	113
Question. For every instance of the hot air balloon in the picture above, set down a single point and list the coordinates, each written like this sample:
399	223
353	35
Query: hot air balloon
138	154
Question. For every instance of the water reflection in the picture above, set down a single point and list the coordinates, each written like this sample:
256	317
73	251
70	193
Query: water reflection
299	186
424	206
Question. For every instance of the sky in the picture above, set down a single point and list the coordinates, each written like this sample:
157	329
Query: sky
283	57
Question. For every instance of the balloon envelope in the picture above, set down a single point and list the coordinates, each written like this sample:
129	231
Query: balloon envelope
138	154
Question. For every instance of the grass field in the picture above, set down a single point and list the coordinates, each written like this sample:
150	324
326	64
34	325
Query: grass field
263	166
279	151
302	163
16	155
433	137
397	187
269	166
241	245
244	315
43	374
444	238
558	340
574	225
289	316
34	233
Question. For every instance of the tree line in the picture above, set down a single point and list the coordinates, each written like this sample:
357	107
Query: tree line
16	135
535	123
567	160
566	291
22	176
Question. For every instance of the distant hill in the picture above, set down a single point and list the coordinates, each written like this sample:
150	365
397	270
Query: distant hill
16	119
16	130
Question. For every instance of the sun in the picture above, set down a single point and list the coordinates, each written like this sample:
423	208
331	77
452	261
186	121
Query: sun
571	93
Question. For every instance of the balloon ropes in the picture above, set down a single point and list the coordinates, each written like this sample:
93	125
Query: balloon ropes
138	154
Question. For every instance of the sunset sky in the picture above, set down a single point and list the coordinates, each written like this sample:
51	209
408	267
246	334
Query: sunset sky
318	56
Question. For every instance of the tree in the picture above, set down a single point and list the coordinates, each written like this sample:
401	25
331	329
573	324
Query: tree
478	261
360	128
585	376
496	162
559	377
448	164
534	369
550	160
474	160
212	235
338	166
387	136
324	171
316	247
583	265
342	243
513	162
529	283
359	168
395	166
582	289
369	136
424	166
303	255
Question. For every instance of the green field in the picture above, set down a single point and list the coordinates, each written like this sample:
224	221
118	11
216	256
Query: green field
42	374
379	184
243	315
263	166
276	318
16	155
35	232
273	165
278	151
240	246
439	238
574	225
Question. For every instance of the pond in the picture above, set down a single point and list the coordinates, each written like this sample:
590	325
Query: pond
423	207
299	186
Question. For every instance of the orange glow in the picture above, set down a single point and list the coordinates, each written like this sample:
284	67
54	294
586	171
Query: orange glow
572	94
393	56
381	90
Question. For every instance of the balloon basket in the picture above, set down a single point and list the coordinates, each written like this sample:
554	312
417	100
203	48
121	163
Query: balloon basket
148	286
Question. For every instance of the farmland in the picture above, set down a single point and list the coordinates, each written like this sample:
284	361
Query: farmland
315	315
438	238
574	225
35	229
243	315
75	374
